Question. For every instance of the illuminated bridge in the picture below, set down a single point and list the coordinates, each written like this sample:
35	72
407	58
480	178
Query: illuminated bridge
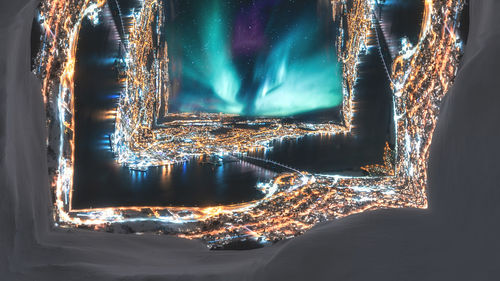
268	162
121	23
382	43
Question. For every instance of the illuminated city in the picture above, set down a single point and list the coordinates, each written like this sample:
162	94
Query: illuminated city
148	135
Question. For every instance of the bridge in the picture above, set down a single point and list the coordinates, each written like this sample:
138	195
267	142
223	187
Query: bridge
117	15
266	161
382	44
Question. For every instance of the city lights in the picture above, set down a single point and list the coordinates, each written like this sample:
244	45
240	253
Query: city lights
295	200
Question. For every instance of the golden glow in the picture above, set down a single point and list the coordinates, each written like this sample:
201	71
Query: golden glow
296	201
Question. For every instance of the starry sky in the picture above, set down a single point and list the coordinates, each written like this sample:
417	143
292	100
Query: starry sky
254	58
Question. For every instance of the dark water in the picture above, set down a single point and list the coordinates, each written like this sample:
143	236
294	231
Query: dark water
464	22
99	181
398	19
374	127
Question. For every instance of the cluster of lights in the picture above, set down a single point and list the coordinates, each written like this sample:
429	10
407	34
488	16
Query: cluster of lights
140	141
295	201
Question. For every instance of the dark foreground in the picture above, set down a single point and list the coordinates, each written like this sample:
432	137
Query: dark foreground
456	239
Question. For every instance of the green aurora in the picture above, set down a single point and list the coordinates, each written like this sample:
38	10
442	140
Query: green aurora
294	71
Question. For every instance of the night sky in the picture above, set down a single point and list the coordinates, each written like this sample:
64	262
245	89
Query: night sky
260	58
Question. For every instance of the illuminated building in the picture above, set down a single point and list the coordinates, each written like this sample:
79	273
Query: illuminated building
295	201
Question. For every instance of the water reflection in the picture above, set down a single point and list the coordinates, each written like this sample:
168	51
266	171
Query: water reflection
99	181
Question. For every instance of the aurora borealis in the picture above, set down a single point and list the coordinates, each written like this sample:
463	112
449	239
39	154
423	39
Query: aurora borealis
255	65
253	58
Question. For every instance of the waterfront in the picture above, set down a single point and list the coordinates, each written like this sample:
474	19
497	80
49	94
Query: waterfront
297	200
101	182
346	154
